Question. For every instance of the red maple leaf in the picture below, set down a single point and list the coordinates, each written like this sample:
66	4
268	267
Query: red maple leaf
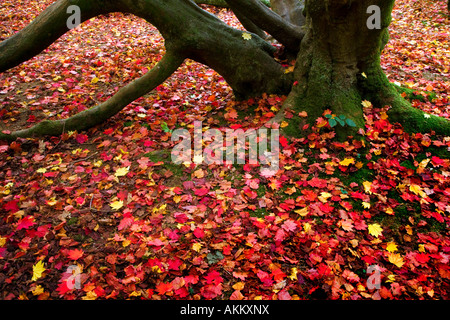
63	288
25	222
422	257
213	277
126	221
174	264
201	192
199	233
289	225
81	138
11	206
75	254
211	291
163	288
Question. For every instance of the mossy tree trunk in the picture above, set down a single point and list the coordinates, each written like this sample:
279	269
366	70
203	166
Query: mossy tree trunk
338	67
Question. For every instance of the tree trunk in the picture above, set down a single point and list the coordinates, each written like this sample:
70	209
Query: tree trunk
290	10
338	67
288	34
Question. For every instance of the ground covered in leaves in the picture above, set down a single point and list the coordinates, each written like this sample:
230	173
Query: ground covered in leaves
105	214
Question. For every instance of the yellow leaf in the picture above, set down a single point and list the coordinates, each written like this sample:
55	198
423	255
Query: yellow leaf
135	294
421	248
391	278
375	230
293	275
364	75
91	295
366	104
2	241
156	269
409	230
306	227
95	80
416	189
366	205
199	173
196	246
396	259
289	69
98	163
116	205
52	201
367	187
391	247
303	212
238	285
246	36
284	124
126	243
38	290
122	171
424	163
347	161
324	196
38	269
161	209
41	170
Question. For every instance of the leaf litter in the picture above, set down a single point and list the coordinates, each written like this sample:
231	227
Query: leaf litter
108	207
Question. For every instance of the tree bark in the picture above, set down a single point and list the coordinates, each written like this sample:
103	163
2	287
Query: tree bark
283	31
223	3
339	66
290	10
247	65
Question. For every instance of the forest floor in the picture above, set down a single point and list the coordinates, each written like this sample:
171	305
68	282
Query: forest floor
105	214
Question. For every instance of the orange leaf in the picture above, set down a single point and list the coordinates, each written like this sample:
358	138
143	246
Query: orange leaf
75	254
236	295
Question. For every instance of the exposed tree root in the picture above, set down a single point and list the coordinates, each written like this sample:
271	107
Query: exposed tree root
286	33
